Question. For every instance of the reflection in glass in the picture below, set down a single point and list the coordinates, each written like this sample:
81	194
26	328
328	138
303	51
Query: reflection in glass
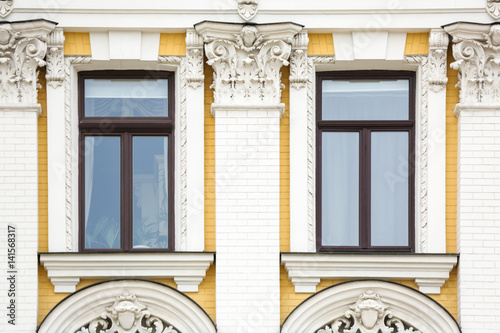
389	192
365	100
126	98
340	189
150	195
102	192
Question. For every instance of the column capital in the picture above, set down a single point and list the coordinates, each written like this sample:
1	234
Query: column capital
476	49
23	46
247	60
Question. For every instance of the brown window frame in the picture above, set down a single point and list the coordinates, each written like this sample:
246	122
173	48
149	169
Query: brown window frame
365	127
126	128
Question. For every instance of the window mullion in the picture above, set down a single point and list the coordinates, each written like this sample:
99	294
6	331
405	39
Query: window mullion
365	188
126	192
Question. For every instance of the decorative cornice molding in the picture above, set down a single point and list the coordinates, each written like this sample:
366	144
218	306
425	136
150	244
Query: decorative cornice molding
428	271
6	7
194	59
65	270
438	46
298	61
476	49
55	58
493	8
248	9
171	60
127	314
247	60
369	314
22	50
323	60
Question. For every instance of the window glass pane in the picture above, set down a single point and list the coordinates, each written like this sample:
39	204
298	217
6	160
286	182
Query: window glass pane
102	192
365	100
340	189
126	98
389	192
150	197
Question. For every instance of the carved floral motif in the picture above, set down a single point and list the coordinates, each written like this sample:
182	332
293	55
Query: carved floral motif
19	59
55	58
127	315
493	8
298	61
247	9
479	64
247	68
438	44
368	315
6	7
194	60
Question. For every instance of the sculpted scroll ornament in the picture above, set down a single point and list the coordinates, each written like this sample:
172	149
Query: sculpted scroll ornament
19	59
247	69
368	315
127	315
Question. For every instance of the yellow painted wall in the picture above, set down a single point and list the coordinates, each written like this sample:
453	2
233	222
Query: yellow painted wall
77	43
172	44
417	43
285	164
321	44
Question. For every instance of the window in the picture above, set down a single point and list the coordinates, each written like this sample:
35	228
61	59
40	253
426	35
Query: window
365	161
126	122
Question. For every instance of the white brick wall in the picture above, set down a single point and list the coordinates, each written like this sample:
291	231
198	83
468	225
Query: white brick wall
19	208
247	213
479	220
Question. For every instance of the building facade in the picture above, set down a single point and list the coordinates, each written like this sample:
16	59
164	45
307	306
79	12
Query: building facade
250	166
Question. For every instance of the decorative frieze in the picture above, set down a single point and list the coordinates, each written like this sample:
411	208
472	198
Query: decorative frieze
247	60
368	314
6	7
476	51
298	61
23	46
438	45
127	314
247	9
55	59
194	59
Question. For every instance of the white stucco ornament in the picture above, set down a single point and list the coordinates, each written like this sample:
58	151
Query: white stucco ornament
368	315
6	7
247	9
493	8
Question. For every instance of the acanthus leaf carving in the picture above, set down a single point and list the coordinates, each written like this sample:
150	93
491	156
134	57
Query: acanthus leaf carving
6	7
298	61
493	8
194	60
368	315
127	314
438	44
55	58
247	9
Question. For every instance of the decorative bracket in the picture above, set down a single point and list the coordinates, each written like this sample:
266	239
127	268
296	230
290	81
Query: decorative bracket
55	59
194	59
438	45
298	61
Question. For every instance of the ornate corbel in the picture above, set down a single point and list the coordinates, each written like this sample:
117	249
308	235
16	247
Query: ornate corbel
194	59
247	9
55	58
438	45
23	46
247	60
298	61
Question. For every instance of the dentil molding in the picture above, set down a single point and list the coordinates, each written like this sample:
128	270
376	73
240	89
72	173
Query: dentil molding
476	49
247	60
65	270
429	271
23	46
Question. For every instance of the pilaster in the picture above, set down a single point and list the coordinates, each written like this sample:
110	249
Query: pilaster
476	49
247	88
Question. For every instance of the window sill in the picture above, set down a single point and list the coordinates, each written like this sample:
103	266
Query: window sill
428	271
65	270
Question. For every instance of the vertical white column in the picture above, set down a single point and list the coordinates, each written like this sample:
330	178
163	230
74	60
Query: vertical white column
247	211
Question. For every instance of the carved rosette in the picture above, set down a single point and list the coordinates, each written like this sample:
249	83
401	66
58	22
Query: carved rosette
247	9
6	7
438	45
55	58
368	315
194	59
127	315
22	51
479	64
247	66
493	8
298	61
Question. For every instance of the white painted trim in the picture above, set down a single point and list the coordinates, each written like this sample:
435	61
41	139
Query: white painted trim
305	270
162	301
65	270
403	303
